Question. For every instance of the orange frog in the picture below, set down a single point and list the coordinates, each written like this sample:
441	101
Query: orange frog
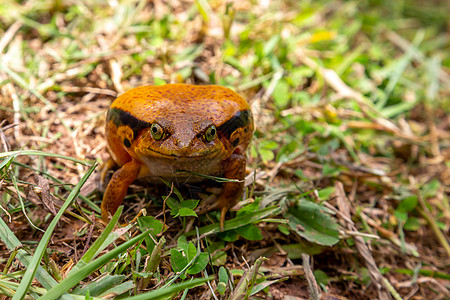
158	131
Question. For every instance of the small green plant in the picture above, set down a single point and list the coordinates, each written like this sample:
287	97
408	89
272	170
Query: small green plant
313	222
187	258
223	281
179	207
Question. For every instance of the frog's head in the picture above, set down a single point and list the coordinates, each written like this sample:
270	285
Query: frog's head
182	121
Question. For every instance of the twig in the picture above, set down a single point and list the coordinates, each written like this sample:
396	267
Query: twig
315	293
9	87
164	205
339	213
434	139
116	75
3	137
89	237
86	89
210	287
378	280
9	34
361	234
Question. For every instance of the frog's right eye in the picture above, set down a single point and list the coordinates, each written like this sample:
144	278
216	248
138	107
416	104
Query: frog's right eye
157	131
210	133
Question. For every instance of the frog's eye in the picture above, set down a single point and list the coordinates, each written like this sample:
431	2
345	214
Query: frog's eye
157	131
210	133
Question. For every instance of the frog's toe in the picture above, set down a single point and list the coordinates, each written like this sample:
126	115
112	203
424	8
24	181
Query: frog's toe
207	204
223	212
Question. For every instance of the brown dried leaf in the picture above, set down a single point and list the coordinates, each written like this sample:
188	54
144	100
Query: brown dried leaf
38	192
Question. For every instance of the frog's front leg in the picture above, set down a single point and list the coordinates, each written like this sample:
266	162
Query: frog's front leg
104	169
117	188
234	168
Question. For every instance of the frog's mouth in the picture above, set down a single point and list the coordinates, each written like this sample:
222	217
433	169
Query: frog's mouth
174	155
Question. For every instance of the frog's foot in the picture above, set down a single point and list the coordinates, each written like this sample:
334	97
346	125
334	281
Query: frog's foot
224	204
210	203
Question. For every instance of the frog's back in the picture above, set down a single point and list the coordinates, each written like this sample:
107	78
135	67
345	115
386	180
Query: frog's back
148	103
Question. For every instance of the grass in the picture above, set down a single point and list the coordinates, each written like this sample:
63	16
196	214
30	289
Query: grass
349	165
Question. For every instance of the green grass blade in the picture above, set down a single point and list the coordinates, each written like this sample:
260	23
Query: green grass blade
8	237
400	67
90	254
41	153
247	281
7	162
237	222
39	253
394	110
215	178
112	237
79	297
167	291
433	68
11	286
259	287
204	9
11	242
119	289
100	285
101	243
22	205
85	271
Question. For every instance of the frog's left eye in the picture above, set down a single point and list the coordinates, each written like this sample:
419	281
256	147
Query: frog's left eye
157	131
210	133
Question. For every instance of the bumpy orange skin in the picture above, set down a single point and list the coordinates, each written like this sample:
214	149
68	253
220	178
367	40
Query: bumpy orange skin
185	113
